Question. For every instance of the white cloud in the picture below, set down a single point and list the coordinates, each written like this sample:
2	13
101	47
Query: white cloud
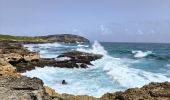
105	30
140	32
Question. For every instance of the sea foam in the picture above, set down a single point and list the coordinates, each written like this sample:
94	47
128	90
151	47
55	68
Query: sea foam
141	54
108	74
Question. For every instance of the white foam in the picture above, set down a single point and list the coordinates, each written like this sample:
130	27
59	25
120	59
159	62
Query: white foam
96	48
46	45
119	69
168	65
80	45
141	54
108	74
130	77
82	80
62	59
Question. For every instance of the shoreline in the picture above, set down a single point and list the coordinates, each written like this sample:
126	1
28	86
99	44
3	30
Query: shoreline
14	53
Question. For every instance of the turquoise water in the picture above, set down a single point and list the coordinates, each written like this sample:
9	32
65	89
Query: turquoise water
123	66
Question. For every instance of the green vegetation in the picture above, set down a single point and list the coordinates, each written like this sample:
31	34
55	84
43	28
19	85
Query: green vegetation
44	39
20	38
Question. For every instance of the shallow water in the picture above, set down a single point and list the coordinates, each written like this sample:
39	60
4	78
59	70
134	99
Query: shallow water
124	65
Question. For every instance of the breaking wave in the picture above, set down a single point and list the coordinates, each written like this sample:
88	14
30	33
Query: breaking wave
141	54
119	70
108	74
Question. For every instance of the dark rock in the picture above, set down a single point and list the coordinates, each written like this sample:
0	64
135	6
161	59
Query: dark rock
76	60
64	82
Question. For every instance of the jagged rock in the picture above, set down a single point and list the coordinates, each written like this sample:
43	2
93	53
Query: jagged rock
57	96
15	52
77	59
22	88
66	60
7	69
153	91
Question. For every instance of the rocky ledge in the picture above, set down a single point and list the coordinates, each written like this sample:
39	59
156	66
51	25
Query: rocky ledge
22	59
74	59
153	91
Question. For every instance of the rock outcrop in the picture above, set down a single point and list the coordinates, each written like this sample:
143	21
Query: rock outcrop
22	88
74	59
153	91
6	69
21	58
54	95
13	54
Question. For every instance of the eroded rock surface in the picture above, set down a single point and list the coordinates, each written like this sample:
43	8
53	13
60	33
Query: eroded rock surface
57	96
74	59
7	69
153	91
77	59
15	53
22	88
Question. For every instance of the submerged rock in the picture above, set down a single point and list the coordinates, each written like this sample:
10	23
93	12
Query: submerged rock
64	82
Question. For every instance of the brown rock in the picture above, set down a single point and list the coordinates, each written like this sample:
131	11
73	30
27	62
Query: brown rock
7	69
153	91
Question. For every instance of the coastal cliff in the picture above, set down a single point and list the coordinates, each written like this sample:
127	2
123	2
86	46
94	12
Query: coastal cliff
68	38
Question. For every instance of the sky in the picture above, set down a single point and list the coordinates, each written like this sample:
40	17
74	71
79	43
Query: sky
102	20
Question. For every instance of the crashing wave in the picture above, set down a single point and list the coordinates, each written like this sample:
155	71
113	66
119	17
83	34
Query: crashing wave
107	75
96	48
119	70
141	54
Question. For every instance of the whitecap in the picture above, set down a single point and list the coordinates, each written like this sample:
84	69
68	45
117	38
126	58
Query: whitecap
63	59
108	74
168	65
141	54
97	48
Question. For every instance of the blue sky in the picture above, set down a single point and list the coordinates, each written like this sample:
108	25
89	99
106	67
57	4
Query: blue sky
102	20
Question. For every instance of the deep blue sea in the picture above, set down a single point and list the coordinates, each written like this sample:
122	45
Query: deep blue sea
124	65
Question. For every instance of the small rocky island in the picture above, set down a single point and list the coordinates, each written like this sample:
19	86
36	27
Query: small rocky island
16	59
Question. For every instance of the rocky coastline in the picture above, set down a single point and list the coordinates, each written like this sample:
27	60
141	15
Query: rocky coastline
16	59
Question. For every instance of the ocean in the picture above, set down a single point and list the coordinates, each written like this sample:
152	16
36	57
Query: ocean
123	66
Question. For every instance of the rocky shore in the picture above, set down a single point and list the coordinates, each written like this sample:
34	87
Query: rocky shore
15	59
